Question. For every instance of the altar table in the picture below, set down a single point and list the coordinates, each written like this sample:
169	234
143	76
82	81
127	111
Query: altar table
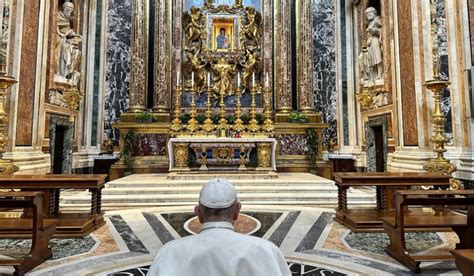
178	149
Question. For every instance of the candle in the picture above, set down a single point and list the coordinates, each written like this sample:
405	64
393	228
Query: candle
267	80
208	79
253	78
177	79
238	80
192	78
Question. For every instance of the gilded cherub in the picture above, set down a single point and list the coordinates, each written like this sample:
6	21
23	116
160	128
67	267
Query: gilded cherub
238	4
208	3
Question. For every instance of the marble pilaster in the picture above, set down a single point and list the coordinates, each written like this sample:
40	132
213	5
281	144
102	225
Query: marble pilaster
162	92
117	79
324	64
407	85
282	26
139	56
305	56
267	42
471	27
177	39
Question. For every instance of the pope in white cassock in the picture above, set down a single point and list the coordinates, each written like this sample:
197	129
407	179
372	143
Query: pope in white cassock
217	250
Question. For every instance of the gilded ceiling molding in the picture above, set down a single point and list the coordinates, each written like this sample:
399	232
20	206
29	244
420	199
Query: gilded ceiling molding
305	57
139	53
161	99
283	56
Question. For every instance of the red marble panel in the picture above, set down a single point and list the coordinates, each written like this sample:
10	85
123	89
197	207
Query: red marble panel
407	75
27	73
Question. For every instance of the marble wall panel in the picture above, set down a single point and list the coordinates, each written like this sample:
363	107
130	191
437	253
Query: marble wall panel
293	144
97	75
145	144
443	58
324	66
27	80
118	63
407	74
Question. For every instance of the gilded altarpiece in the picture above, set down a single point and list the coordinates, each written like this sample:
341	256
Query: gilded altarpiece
214	65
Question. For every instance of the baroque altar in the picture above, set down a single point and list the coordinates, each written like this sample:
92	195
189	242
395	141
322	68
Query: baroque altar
218	87
222	154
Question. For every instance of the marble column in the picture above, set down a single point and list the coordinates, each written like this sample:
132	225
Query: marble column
162	93
139	55
177	39
305	56
267	42
283	94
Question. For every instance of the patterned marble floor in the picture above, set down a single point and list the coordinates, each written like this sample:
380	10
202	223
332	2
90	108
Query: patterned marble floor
312	243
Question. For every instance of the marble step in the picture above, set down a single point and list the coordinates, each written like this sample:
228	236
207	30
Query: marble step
177	198
197	183
116	206
240	188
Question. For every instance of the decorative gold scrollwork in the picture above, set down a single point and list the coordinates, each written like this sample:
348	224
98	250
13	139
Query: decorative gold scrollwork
181	155
264	155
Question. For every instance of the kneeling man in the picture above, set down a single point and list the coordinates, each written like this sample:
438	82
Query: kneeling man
217	250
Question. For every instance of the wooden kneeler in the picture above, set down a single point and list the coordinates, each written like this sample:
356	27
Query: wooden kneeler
41	230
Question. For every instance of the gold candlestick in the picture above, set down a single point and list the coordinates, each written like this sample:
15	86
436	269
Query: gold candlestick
268	123
223	124
177	124
208	123
6	166
440	164
239	124
253	125
193	123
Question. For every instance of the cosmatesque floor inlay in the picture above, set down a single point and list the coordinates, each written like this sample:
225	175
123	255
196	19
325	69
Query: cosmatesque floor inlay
312	243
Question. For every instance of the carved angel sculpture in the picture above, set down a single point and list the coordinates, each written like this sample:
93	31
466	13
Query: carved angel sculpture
193	28
250	27
248	68
197	66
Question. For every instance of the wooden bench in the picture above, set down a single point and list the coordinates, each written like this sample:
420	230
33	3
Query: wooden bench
77	224
386	183
464	261
461	224
40	229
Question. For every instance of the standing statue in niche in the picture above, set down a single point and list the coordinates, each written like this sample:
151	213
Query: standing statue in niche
374	60
68	54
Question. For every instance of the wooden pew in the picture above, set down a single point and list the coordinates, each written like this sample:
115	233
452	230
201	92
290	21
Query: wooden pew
77	224
385	183
461	224
464	261
40	229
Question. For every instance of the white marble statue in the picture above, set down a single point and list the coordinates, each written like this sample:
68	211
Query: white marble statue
374	60
68	54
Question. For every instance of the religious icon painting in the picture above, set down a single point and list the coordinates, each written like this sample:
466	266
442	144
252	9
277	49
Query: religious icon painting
223	30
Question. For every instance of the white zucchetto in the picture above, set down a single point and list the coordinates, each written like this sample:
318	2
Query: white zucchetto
217	194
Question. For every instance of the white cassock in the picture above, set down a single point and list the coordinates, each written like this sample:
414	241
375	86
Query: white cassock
219	251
